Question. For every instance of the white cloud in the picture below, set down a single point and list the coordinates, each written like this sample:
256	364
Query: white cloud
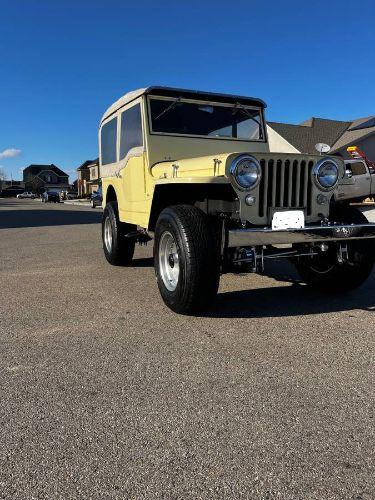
10	153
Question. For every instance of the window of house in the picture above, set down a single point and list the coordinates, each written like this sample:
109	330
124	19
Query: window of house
109	142
131	130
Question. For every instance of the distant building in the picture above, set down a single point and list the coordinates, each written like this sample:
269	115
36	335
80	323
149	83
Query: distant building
94	181
11	188
83	176
38	178
88	177
9	184
290	138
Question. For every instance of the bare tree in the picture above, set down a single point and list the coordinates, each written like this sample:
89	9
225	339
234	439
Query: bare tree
2	178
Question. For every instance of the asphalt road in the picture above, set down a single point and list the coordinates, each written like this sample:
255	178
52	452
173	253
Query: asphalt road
105	393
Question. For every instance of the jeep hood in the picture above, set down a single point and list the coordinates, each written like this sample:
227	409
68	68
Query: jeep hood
199	167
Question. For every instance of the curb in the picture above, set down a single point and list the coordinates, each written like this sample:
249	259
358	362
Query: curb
82	203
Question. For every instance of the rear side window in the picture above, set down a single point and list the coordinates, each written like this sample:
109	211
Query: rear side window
109	142
131	130
358	168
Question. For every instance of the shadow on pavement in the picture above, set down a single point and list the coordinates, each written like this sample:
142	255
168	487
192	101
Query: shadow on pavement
294	300
39	218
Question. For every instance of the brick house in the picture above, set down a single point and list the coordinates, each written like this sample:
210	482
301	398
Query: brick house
38	178
88	177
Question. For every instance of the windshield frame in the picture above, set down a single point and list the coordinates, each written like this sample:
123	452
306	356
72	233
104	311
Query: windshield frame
207	103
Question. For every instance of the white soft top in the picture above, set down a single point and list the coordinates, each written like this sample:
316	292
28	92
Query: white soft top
125	99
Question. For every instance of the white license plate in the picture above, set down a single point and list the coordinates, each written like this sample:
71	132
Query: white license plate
288	219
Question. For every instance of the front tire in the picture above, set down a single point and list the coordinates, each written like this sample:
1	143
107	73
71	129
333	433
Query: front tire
325	273
118	249
186	259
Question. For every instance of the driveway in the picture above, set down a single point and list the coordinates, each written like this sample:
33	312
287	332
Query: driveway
105	393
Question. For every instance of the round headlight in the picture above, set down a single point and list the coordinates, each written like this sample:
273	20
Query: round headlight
246	172
326	174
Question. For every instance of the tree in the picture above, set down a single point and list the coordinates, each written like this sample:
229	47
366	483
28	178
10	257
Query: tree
2	178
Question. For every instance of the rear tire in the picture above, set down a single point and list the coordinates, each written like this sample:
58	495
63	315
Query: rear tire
118	249
326	274
186	259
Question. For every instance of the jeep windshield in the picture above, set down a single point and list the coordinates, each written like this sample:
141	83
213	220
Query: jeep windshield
221	121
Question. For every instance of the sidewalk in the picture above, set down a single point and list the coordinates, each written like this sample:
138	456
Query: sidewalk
82	203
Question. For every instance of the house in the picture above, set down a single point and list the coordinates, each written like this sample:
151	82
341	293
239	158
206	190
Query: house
11	188
289	138
83	176
38	178
12	183
88	177
94	177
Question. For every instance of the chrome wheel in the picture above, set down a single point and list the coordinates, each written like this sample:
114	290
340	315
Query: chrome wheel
168	261
108	238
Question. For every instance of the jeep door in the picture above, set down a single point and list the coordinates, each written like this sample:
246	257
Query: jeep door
131	156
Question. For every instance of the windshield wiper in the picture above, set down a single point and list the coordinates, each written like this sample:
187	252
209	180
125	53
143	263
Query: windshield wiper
242	108
169	108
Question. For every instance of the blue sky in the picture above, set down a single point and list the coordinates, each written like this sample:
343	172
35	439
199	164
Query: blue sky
63	62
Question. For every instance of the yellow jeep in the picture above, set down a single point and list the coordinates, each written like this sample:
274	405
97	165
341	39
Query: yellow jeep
193	171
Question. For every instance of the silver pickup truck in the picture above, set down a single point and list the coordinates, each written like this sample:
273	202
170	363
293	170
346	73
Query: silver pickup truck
358	182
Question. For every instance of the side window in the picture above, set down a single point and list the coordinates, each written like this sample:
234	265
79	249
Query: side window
358	168
109	142
131	130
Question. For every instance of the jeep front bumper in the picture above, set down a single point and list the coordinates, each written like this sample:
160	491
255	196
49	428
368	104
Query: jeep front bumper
310	234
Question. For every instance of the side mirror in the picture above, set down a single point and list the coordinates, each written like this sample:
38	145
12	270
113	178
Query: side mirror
348	173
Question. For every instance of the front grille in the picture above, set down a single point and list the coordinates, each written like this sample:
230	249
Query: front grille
285	184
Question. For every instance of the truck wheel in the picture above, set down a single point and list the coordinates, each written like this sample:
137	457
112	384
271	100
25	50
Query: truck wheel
118	249
325	273
186	259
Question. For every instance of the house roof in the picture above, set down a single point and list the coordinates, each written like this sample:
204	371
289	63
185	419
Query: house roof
86	164
359	129
363	123
35	169
187	94
335	133
305	136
